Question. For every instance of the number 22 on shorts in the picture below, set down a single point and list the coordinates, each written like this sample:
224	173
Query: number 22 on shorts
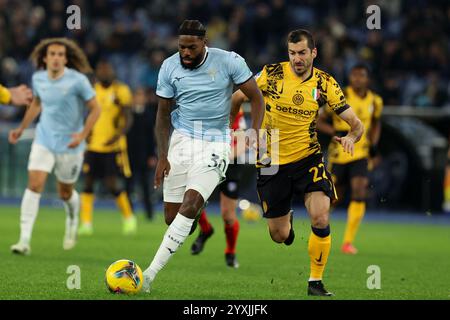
316	170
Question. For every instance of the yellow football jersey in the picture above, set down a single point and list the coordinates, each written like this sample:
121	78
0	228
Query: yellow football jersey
292	107
5	95
365	109
110	122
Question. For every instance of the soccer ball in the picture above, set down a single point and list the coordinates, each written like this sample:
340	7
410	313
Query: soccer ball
124	276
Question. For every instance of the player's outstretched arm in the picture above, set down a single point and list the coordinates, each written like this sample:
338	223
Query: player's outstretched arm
32	112
94	114
162	131
323	125
355	133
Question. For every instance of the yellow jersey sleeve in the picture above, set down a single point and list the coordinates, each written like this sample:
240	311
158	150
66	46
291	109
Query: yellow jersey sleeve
335	97
261	79
5	95
377	107
124	95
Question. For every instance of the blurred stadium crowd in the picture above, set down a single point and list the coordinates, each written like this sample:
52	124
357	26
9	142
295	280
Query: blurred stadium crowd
409	56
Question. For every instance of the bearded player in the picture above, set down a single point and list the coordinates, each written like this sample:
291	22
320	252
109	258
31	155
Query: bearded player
199	81
294	91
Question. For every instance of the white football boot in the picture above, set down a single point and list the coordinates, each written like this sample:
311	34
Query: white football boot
21	248
146	285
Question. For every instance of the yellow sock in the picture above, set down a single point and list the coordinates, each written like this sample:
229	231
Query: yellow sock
355	214
124	205
318	249
447	186
87	206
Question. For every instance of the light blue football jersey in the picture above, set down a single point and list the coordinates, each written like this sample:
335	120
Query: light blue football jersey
203	94
63	108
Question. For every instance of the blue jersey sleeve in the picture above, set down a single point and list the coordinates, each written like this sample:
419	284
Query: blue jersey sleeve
34	87
85	89
239	71
164	88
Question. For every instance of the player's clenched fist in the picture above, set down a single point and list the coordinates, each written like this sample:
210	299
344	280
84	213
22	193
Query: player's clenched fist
162	170
348	143
14	135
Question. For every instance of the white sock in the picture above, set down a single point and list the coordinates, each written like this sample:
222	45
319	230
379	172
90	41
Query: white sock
174	237
72	207
28	213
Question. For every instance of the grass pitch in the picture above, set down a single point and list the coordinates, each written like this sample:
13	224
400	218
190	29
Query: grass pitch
414	260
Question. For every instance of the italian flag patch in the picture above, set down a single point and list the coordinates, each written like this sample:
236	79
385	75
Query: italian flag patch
315	94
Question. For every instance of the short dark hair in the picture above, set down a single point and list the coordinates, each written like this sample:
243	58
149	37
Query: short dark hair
361	65
193	28
299	35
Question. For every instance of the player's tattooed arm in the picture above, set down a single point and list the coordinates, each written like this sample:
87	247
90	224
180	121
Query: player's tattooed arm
355	133
162	131
32	112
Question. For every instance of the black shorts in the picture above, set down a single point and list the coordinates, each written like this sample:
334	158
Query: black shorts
100	165
343	173
230	186
307	175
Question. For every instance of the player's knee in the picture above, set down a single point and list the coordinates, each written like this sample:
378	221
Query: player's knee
65	194
229	220
279	235
35	187
115	192
359	194
320	221
359	189
229	216
189	209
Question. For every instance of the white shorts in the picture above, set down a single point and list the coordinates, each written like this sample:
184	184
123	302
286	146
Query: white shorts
67	165
194	164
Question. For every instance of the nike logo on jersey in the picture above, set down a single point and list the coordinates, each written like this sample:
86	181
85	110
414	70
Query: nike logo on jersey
170	250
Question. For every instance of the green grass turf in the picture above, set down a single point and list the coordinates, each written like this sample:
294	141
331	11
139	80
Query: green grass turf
414	261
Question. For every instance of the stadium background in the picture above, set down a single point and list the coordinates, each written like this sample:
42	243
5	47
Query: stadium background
408	57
